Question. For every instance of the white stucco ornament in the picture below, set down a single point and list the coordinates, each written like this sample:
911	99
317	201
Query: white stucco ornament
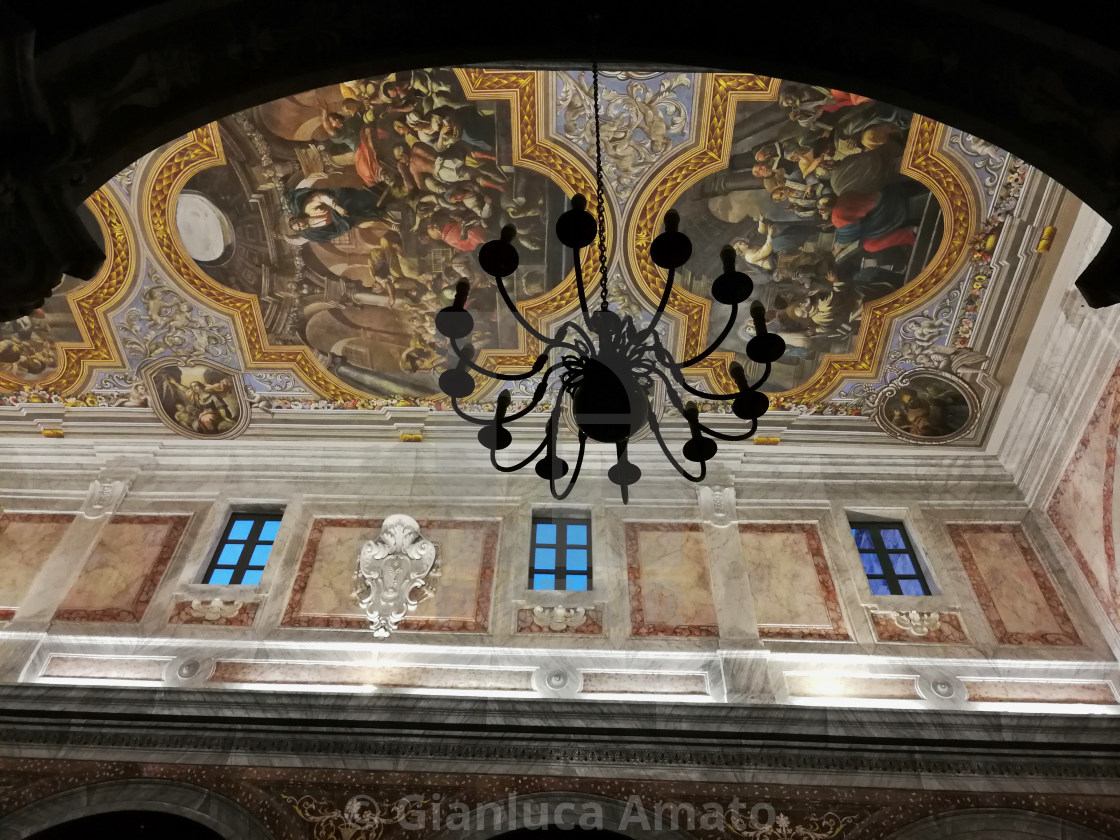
917	623
558	619
395	572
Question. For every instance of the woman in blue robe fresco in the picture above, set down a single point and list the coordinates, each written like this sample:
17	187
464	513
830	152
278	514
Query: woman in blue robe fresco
321	214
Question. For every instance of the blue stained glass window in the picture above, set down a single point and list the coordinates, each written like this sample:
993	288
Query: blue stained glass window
879	586
892	538
230	554
577	560
241	529
903	564
889	559
260	555
871	564
560	554
912	586
244	549
863	538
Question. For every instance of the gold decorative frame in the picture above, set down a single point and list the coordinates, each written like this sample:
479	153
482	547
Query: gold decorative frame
77	360
202	148
532	149
921	160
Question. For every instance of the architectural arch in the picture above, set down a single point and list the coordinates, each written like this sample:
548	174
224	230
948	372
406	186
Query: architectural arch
203	806
996	824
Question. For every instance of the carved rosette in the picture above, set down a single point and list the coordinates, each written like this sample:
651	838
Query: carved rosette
395	572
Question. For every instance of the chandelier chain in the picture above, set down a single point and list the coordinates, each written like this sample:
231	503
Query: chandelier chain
599	192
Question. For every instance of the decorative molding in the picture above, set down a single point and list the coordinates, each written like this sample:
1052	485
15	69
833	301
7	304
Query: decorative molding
68	722
558	618
215	612
363	817
914	626
395	572
576	620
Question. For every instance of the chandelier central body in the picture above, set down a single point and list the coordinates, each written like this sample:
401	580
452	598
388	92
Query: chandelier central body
607	366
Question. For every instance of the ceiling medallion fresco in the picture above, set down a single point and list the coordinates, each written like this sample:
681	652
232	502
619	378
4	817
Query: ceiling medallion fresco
304	245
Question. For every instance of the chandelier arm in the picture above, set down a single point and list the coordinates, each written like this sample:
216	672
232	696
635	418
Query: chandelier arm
529	328
493	374
662	304
679	377
758	383
550	437
715	344
538	395
653	424
579	285
558	341
477	421
725	436
520	464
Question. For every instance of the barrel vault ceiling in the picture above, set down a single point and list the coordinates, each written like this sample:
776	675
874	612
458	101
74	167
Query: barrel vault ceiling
292	256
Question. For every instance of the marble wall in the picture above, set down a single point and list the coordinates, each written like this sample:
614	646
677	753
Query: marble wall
670	584
1082	508
794	593
121	574
759	601
26	541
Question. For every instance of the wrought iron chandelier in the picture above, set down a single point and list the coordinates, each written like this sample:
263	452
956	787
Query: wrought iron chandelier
607	366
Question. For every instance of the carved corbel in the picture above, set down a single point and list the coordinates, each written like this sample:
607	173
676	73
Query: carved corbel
395	573
717	504
105	495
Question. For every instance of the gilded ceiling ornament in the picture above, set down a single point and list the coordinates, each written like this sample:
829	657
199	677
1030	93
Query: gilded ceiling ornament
395	572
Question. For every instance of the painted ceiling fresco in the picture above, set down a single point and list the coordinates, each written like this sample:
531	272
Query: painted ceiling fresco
294	254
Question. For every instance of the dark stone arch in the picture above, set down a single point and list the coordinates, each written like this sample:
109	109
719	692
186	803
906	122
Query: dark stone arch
130	76
996	824
211	810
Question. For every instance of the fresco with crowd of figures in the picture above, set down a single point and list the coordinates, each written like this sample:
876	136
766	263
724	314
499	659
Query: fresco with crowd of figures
303	246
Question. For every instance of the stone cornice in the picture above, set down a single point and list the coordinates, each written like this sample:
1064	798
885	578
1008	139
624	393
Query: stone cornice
510	736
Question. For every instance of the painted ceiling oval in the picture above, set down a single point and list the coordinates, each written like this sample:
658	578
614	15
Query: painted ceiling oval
308	241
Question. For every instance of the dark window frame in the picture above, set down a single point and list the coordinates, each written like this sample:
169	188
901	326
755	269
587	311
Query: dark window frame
561	545
883	553
249	544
